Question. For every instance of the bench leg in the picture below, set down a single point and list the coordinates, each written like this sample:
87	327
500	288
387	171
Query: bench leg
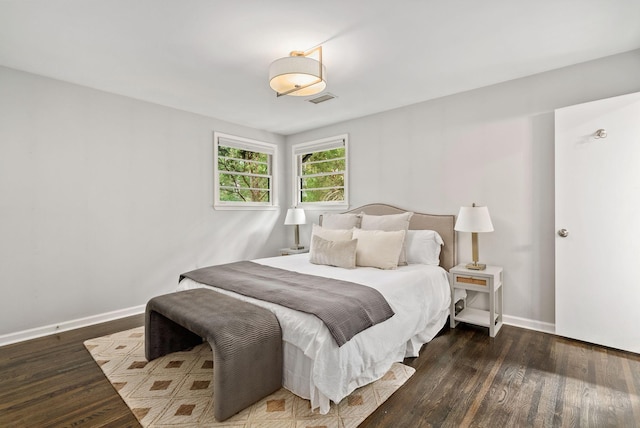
163	336
245	374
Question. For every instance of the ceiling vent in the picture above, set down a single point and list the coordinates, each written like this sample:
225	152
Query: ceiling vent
322	98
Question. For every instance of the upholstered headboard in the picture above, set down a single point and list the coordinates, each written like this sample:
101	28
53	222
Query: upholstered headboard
443	224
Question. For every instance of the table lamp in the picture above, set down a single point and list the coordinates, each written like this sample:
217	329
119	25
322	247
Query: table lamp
295	216
475	220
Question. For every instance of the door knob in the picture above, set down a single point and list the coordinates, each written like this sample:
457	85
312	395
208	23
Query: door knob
563	232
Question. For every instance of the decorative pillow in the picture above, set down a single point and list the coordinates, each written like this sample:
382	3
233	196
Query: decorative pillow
329	234
423	246
389	223
333	253
340	221
377	248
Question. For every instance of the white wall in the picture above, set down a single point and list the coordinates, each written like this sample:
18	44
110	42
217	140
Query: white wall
493	146
105	200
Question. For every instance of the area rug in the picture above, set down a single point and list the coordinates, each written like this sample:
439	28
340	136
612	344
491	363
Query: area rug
176	390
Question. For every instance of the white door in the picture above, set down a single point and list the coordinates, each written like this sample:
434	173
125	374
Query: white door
597	202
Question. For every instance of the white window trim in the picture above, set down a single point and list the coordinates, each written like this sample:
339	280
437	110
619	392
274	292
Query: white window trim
252	145
319	145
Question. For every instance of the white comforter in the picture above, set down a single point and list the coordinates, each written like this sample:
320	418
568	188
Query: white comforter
315	367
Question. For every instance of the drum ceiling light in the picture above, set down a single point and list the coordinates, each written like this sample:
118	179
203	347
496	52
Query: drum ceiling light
298	74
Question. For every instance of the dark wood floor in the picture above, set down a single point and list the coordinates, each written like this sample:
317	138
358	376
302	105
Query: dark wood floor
54	382
521	378
463	378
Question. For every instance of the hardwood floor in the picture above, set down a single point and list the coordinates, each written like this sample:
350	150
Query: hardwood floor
520	378
54	382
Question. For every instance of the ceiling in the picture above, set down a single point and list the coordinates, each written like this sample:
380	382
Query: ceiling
212	57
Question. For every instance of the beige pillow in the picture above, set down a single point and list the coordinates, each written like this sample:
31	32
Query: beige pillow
377	248
340	221
333	253
329	234
388	223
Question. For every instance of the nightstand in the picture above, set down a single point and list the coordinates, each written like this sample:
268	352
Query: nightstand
291	251
482	281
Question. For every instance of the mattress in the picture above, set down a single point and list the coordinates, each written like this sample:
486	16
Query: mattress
315	368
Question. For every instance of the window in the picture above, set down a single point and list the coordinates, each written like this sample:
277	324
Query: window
320	169
243	172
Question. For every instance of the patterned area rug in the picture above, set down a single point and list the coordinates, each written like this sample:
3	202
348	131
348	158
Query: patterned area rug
177	389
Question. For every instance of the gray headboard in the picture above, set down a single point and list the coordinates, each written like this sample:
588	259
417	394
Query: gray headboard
443	224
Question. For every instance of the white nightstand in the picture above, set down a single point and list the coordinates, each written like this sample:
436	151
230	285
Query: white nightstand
483	281
290	251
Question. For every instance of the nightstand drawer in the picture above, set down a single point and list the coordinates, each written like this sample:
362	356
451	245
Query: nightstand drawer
470	280
487	281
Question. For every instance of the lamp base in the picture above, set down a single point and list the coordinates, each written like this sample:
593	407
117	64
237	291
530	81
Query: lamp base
476	266
297	247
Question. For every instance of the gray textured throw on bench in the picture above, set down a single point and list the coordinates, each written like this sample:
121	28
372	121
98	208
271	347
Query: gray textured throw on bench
346	308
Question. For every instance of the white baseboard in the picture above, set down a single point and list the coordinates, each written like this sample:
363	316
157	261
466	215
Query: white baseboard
20	336
544	327
34	333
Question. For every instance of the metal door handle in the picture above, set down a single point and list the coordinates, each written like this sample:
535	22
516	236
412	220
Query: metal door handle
563	232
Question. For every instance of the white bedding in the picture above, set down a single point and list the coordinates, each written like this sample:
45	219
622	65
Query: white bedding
315	367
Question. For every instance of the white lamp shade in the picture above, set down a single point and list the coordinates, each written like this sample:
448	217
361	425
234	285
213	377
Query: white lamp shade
291	72
474	219
295	216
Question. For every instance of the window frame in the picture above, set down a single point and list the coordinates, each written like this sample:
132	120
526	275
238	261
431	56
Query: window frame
270	149
296	167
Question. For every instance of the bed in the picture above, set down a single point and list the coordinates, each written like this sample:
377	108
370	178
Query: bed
315	367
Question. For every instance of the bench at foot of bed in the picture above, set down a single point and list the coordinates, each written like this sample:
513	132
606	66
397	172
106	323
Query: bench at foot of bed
246	341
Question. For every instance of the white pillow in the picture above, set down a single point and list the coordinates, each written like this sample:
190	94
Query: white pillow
388	223
377	248
423	246
333	253
329	234
340	221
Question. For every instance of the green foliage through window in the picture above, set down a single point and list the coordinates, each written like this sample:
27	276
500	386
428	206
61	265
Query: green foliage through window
321	175
243	175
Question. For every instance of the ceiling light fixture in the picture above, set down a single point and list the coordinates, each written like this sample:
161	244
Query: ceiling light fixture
298	74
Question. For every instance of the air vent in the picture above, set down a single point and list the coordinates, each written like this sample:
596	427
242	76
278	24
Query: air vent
322	98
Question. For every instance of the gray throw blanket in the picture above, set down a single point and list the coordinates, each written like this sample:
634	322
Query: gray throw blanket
346	308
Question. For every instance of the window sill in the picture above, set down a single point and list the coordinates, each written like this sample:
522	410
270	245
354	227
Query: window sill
245	208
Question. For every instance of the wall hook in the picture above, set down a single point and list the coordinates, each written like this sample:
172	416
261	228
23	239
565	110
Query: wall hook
600	133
